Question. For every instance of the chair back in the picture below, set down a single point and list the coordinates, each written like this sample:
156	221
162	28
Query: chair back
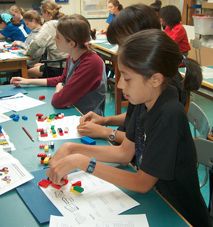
199	120
204	149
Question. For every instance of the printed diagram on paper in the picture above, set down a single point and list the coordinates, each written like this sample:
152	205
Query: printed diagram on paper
99	199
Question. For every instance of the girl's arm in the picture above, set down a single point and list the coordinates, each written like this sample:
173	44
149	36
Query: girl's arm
17	81
119	154
138	181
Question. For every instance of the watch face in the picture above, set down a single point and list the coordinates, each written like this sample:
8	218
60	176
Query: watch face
111	137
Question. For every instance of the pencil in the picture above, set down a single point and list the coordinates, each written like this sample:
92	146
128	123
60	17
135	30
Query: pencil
28	134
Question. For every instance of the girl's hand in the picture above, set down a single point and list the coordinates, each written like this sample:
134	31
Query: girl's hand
16	43
59	87
62	167
93	117
62	152
93	130
17	81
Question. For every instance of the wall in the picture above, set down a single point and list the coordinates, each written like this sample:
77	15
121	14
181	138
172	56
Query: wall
74	7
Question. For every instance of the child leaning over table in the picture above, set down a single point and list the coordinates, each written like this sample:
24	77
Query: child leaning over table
33	20
83	82
158	141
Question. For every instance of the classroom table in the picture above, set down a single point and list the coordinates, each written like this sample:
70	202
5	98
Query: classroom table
109	52
15	64
17	61
13	210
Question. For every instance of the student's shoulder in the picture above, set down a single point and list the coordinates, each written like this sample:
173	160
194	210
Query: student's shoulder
93	58
173	111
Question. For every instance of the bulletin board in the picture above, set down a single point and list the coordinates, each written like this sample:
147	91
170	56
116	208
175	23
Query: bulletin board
94	8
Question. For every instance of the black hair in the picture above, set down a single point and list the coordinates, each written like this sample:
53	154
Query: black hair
152	51
132	19
171	15
156	5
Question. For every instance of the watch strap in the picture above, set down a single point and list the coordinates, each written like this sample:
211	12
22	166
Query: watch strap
91	165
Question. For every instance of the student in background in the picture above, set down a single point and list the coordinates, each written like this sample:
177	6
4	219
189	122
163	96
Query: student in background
10	31
114	8
130	20
83	82
45	39
158	142
170	17
33	20
17	13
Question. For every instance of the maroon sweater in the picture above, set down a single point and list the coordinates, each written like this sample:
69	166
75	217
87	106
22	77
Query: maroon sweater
86	77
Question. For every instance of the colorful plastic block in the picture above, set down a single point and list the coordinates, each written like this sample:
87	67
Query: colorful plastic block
88	140
78	189
44	183
41	97
77	183
25	118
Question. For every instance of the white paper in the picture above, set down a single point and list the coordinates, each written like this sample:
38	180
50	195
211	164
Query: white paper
5	137
19	102
207	72
12	173
4	118
98	199
4	109
136	220
70	122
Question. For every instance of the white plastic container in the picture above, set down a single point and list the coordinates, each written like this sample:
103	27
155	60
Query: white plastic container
203	25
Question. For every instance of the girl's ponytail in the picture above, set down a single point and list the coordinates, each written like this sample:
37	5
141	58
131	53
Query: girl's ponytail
193	76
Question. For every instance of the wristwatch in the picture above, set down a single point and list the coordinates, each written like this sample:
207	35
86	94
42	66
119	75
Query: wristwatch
91	166
112	135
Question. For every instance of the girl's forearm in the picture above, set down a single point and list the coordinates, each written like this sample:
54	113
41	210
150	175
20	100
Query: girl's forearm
101	153
117	120
42	82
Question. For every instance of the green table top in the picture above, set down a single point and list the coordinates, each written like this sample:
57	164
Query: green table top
13	211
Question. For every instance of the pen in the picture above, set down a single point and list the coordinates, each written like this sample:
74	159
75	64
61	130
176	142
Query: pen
28	134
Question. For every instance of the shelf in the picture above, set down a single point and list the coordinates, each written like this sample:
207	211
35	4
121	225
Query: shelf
207	5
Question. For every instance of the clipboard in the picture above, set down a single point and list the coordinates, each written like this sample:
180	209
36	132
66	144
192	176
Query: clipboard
36	201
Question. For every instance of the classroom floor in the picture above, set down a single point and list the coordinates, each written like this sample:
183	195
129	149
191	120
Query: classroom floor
204	103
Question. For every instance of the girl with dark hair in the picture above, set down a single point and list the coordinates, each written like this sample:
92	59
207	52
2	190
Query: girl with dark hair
114	8
170	17
130	20
83	81
158	141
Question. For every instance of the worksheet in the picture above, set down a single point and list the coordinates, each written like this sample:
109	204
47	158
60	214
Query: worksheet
68	125
21	102
133	220
12	173
98	199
